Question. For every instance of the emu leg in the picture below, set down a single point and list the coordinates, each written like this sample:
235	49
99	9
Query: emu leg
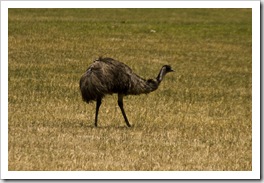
120	104
98	103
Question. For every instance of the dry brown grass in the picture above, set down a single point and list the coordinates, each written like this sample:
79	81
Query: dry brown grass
199	118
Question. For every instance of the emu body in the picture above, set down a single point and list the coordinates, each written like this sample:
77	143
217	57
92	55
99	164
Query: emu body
108	76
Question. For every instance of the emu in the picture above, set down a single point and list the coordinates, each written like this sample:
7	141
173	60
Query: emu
108	76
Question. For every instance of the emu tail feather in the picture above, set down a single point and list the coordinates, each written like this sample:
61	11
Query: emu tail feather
90	91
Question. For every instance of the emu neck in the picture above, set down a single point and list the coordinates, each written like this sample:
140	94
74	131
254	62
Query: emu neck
161	75
140	85
153	84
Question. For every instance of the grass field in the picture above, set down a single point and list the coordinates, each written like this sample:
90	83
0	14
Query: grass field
198	119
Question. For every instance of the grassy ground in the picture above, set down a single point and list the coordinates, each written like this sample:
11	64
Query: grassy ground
198	119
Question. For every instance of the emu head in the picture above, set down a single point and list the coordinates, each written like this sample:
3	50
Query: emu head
167	69
164	70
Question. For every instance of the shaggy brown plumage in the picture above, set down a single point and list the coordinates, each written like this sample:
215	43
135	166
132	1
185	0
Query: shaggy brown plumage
108	76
